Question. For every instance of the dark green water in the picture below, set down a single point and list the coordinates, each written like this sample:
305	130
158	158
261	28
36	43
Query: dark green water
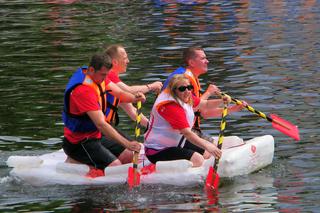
265	52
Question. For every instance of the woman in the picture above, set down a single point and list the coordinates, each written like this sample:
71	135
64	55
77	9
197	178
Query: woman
169	136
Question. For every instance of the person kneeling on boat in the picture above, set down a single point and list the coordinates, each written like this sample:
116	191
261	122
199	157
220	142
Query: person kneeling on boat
169	136
85	121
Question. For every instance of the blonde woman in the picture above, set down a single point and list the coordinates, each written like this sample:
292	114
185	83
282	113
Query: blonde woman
169	136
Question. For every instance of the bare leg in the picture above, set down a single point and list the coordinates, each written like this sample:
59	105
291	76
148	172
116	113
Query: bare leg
206	155
197	159
115	163
126	156
71	160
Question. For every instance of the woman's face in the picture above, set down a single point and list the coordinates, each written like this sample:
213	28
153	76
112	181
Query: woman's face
183	90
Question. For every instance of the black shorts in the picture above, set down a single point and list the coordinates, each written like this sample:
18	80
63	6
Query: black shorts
189	145
95	152
176	153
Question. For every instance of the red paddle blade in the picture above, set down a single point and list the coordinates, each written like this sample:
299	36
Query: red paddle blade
212	180
133	177
285	127
212	197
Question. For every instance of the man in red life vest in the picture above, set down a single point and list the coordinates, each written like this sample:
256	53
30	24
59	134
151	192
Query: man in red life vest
88	138
196	64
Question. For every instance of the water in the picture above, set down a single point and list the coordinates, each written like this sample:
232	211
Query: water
265	52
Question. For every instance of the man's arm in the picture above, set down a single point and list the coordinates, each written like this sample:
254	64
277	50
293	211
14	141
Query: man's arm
153	87
132	113
210	108
124	95
98	118
213	108
211	90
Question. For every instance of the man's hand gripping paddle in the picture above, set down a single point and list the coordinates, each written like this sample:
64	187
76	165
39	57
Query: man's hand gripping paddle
133	173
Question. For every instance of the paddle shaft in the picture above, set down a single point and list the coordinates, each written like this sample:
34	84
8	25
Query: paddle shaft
221	133
137	133
212	180
135	175
251	109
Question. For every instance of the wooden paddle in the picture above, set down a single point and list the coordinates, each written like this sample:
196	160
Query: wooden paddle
133	173
212	181
278	123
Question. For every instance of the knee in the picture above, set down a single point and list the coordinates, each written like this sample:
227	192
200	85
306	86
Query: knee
71	160
206	155
115	163
126	156
197	159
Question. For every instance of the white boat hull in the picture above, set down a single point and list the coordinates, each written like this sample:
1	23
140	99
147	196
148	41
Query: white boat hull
238	158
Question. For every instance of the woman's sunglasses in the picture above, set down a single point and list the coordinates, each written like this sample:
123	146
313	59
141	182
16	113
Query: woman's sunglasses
183	88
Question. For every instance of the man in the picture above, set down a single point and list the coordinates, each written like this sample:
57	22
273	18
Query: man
85	121
120	62
196	64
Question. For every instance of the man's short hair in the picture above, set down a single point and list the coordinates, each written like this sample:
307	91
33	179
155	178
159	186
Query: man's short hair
113	50
100	60
190	53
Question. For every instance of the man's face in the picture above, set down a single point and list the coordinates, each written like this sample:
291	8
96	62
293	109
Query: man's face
100	75
122	61
199	63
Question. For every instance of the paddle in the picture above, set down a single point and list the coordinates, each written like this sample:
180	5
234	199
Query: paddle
278	123
133	173
212	181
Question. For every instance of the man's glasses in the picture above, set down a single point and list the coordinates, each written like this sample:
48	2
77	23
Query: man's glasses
183	88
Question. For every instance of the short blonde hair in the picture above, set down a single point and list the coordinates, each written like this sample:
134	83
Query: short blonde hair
172	86
190	53
113	50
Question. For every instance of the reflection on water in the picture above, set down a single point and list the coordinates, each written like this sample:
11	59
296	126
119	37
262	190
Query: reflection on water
265	52
249	194
242	193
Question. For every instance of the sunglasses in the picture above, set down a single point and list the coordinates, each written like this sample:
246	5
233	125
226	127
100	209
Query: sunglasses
183	88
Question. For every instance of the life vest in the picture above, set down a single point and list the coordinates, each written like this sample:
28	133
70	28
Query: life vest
160	134
81	123
196	91
111	114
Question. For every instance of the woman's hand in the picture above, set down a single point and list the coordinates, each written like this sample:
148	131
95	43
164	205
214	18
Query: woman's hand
213	150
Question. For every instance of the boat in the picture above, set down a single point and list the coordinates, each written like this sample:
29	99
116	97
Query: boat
239	157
